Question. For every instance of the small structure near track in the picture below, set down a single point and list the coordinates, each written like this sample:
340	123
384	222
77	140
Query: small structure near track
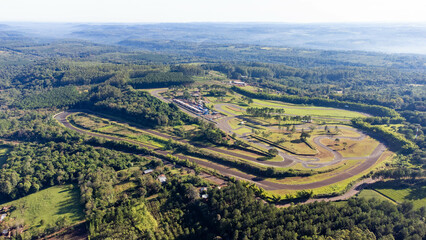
162	178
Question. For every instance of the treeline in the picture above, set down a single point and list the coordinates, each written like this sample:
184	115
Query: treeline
56	97
370	109
170	213
233	213
415	117
394	140
144	109
161	79
401	173
48	74
393	88
383	120
264	112
33	166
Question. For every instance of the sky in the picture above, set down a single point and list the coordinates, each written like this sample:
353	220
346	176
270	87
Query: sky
154	11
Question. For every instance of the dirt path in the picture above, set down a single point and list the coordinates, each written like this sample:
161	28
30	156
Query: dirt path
55	234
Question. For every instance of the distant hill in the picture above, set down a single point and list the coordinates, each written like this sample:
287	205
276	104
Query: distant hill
388	38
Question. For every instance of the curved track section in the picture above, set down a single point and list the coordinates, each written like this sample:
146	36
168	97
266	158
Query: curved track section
267	185
288	159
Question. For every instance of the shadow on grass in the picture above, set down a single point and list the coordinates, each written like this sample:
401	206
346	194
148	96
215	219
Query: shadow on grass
417	193
71	205
265	158
417	187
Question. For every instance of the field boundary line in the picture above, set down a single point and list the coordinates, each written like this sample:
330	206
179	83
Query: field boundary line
383	195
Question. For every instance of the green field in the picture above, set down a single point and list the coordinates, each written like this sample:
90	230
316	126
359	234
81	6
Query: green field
369	194
47	206
399	192
315	111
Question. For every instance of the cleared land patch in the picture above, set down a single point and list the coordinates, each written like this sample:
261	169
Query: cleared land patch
46	207
413	191
403	192
369	194
352	148
309	110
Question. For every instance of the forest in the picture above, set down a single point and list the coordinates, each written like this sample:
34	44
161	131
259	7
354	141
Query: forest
40	79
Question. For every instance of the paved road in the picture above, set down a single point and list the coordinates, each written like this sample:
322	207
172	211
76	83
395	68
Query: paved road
267	185
289	160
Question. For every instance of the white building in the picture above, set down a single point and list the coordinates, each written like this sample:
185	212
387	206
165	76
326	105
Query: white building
162	178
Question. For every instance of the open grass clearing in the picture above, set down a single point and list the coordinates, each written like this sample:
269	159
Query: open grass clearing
251	88
275	103
334	113
101	129
290	141
211	75
242	131
232	110
302	110
191	127
150	90
401	192
348	133
353	148
299	147
369	194
225	113
123	187
87	121
235	123
277	158
323	155
48	206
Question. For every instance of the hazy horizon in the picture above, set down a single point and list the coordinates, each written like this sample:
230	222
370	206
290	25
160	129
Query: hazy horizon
194	11
407	38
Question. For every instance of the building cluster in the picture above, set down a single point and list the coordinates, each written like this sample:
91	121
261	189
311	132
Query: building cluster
197	108
238	83
162	177
5	219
